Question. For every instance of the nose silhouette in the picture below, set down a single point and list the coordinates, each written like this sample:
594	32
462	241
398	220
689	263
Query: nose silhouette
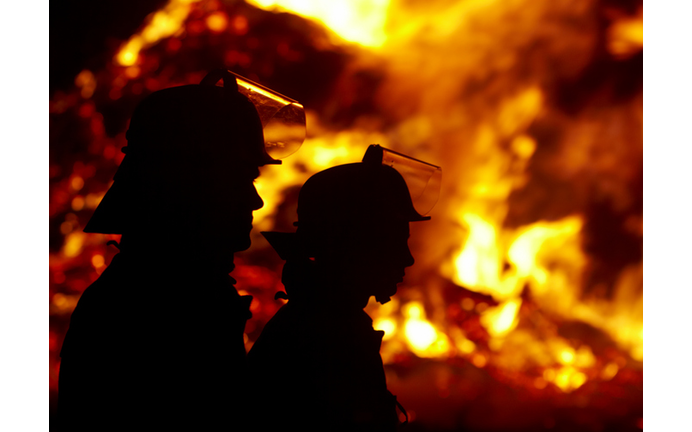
257	202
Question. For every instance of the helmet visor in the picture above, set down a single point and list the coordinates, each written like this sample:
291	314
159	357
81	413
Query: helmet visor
422	178
283	118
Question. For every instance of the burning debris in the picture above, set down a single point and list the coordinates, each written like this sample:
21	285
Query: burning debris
527	291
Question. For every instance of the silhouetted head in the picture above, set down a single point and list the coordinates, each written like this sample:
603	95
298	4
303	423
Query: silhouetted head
193	153
354	221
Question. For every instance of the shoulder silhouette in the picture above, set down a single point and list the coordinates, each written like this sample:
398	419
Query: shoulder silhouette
317	364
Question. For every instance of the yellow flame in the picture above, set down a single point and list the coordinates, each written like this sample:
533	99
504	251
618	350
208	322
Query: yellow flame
547	257
387	325
128	54
162	24
422	338
217	22
566	378
467	347
420	333
584	357
73	244
524	251
478	263
502	319
524	146
359	21
518	111
567	356
464	345
626	36
610	370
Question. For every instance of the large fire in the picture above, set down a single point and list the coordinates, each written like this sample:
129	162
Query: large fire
531	268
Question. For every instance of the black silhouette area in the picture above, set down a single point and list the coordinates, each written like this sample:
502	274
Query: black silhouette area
182	199
316	365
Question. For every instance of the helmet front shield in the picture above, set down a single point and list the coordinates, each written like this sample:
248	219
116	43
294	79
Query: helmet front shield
422	178
283	118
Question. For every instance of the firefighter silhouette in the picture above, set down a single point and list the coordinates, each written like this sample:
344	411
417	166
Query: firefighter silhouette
156	342
316	365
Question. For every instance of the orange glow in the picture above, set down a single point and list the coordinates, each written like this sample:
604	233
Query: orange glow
73	244
93	200
479	360
217	22
77	203
64	304
77	183
540	383
65	227
132	72
97	261
464	345
609	371
468	304
626	35
87	82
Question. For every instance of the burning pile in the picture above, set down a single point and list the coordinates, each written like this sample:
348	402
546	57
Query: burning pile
528	277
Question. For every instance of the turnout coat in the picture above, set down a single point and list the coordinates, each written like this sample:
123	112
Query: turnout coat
319	368
155	346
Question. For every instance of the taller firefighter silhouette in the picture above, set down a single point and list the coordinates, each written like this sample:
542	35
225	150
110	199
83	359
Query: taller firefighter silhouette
316	365
156	343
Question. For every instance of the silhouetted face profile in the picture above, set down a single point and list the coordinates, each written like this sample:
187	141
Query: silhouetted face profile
378	259
217	215
187	180
354	222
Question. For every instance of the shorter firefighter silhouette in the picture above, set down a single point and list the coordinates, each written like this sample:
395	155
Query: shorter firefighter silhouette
316	365
156	343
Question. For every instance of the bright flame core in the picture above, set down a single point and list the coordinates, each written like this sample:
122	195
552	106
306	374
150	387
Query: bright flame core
359	21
